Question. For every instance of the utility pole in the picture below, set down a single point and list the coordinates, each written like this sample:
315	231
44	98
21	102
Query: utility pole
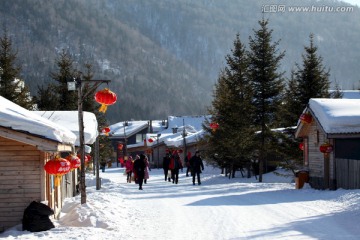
72	85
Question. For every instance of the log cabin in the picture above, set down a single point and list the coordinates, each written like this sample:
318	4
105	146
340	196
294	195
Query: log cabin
27	142
330	130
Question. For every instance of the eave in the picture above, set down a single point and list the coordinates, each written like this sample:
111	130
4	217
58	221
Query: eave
39	142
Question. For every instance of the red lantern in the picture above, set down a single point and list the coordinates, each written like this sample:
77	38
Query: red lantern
86	158
301	146
105	97
58	167
106	130
326	148
120	146
74	161
214	126
150	140
305	118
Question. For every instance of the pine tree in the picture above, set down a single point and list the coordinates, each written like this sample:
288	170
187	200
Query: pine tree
267	84
291	107
56	96
12	87
312	77
230	146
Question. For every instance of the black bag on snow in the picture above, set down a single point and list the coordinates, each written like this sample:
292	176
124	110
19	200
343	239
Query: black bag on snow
36	217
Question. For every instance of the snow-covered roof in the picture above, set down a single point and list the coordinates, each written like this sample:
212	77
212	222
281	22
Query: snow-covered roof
127	128
337	115
20	119
193	130
70	120
350	94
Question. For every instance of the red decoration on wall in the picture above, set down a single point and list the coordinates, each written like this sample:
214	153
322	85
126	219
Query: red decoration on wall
326	148
105	97
86	158
106	130
120	146
57	167
301	146
214	126
306	118
150	140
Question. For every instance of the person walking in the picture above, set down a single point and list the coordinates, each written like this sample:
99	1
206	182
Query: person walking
197	165
187	163
139	168
166	162
129	168
175	165
134	170
147	169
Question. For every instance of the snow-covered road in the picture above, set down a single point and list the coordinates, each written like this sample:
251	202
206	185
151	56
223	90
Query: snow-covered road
220	208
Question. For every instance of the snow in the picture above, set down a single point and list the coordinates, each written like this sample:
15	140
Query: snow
18	118
70	119
337	115
220	208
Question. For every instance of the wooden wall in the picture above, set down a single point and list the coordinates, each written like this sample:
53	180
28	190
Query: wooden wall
20	180
321	169
348	173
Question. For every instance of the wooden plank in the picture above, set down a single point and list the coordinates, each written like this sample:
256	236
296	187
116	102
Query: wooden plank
17	148
19	177
16	153
14	182
18	204
30	161
19	191
18	158
24	196
19	172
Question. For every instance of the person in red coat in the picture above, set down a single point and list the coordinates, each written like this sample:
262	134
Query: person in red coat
129	169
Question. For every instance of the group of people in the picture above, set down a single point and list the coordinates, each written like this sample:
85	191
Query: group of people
140	167
172	163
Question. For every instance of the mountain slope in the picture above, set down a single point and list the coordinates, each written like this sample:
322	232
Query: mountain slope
163	57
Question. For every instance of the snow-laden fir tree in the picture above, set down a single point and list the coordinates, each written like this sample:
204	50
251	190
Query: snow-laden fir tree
312	77
268	87
12	87
230	146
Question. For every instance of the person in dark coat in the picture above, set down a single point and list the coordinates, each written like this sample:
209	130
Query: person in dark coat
175	165
187	163
166	162
197	165
139	167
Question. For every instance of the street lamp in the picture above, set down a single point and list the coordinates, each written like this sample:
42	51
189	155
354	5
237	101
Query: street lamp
72	85
184	135
158	157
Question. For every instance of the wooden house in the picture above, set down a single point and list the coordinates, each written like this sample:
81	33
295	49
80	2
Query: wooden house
27	142
129	137
154	138
331	126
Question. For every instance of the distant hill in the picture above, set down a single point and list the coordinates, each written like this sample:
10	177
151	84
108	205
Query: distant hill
163	56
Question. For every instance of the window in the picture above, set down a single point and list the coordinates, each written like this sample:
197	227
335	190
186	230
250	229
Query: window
140	137
347	148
